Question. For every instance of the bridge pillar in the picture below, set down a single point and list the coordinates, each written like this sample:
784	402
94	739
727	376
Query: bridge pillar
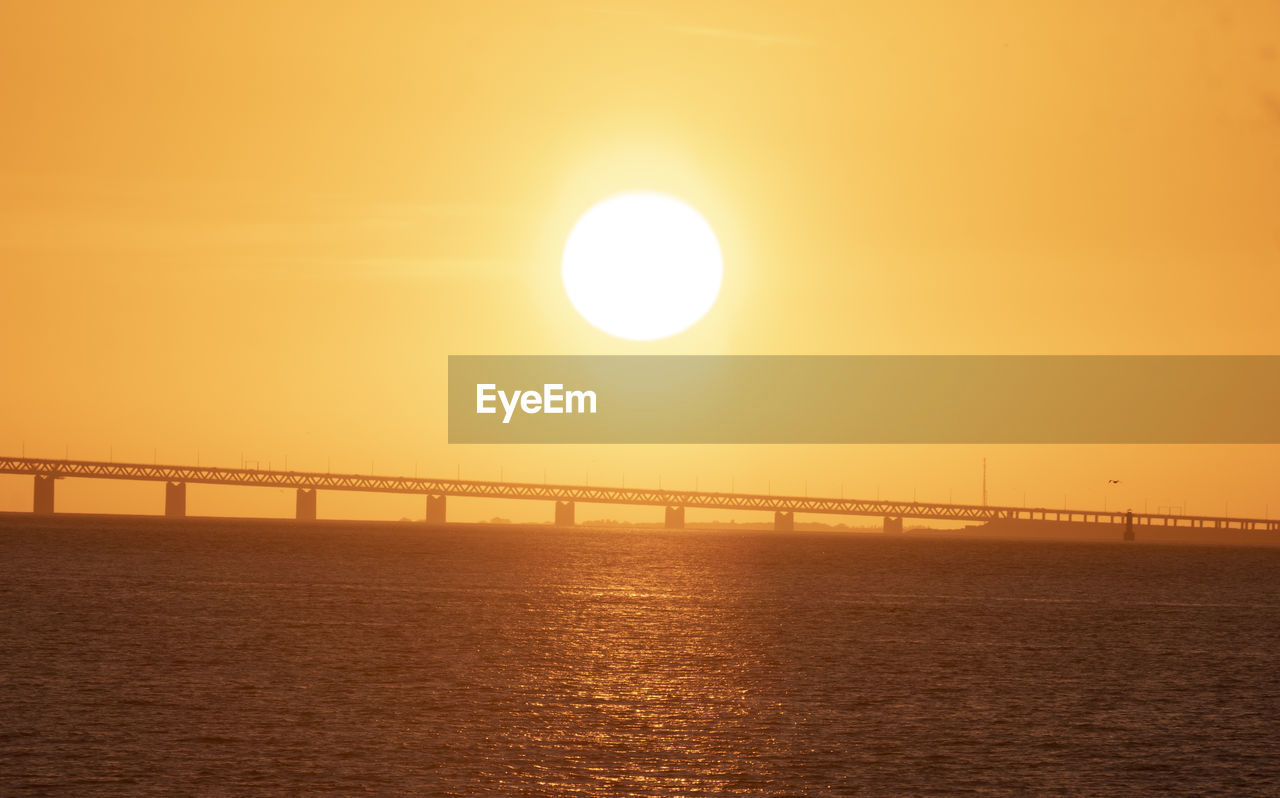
892	526
1128	526
784	522
564	513
435	509
675	518
175	499
306	504
43	502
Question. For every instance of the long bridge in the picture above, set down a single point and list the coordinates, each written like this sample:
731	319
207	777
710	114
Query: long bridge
565	497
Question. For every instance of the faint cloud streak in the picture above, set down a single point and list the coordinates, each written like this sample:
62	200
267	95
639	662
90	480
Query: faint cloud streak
746	37
726	33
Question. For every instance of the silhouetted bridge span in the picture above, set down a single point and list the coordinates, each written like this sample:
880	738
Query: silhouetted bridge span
565	497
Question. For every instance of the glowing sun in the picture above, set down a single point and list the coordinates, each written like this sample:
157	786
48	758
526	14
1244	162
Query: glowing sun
642	266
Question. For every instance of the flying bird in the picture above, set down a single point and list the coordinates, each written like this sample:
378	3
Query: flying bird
1113	482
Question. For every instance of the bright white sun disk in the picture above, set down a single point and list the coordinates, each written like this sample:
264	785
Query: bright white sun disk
642	266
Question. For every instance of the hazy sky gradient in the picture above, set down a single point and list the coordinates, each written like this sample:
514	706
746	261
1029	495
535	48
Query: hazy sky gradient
258	229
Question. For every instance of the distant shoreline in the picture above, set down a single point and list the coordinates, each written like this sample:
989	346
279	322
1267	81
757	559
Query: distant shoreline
1003	529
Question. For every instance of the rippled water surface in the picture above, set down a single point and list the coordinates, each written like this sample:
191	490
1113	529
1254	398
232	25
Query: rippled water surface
203	659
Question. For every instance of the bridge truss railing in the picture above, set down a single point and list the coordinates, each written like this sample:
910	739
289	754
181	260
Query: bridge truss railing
310	480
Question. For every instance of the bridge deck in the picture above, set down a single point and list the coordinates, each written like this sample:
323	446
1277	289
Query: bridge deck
60	469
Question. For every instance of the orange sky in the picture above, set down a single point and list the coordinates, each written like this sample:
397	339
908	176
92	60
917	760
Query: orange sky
258	229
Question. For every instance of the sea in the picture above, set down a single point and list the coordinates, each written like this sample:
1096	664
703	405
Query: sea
143	657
